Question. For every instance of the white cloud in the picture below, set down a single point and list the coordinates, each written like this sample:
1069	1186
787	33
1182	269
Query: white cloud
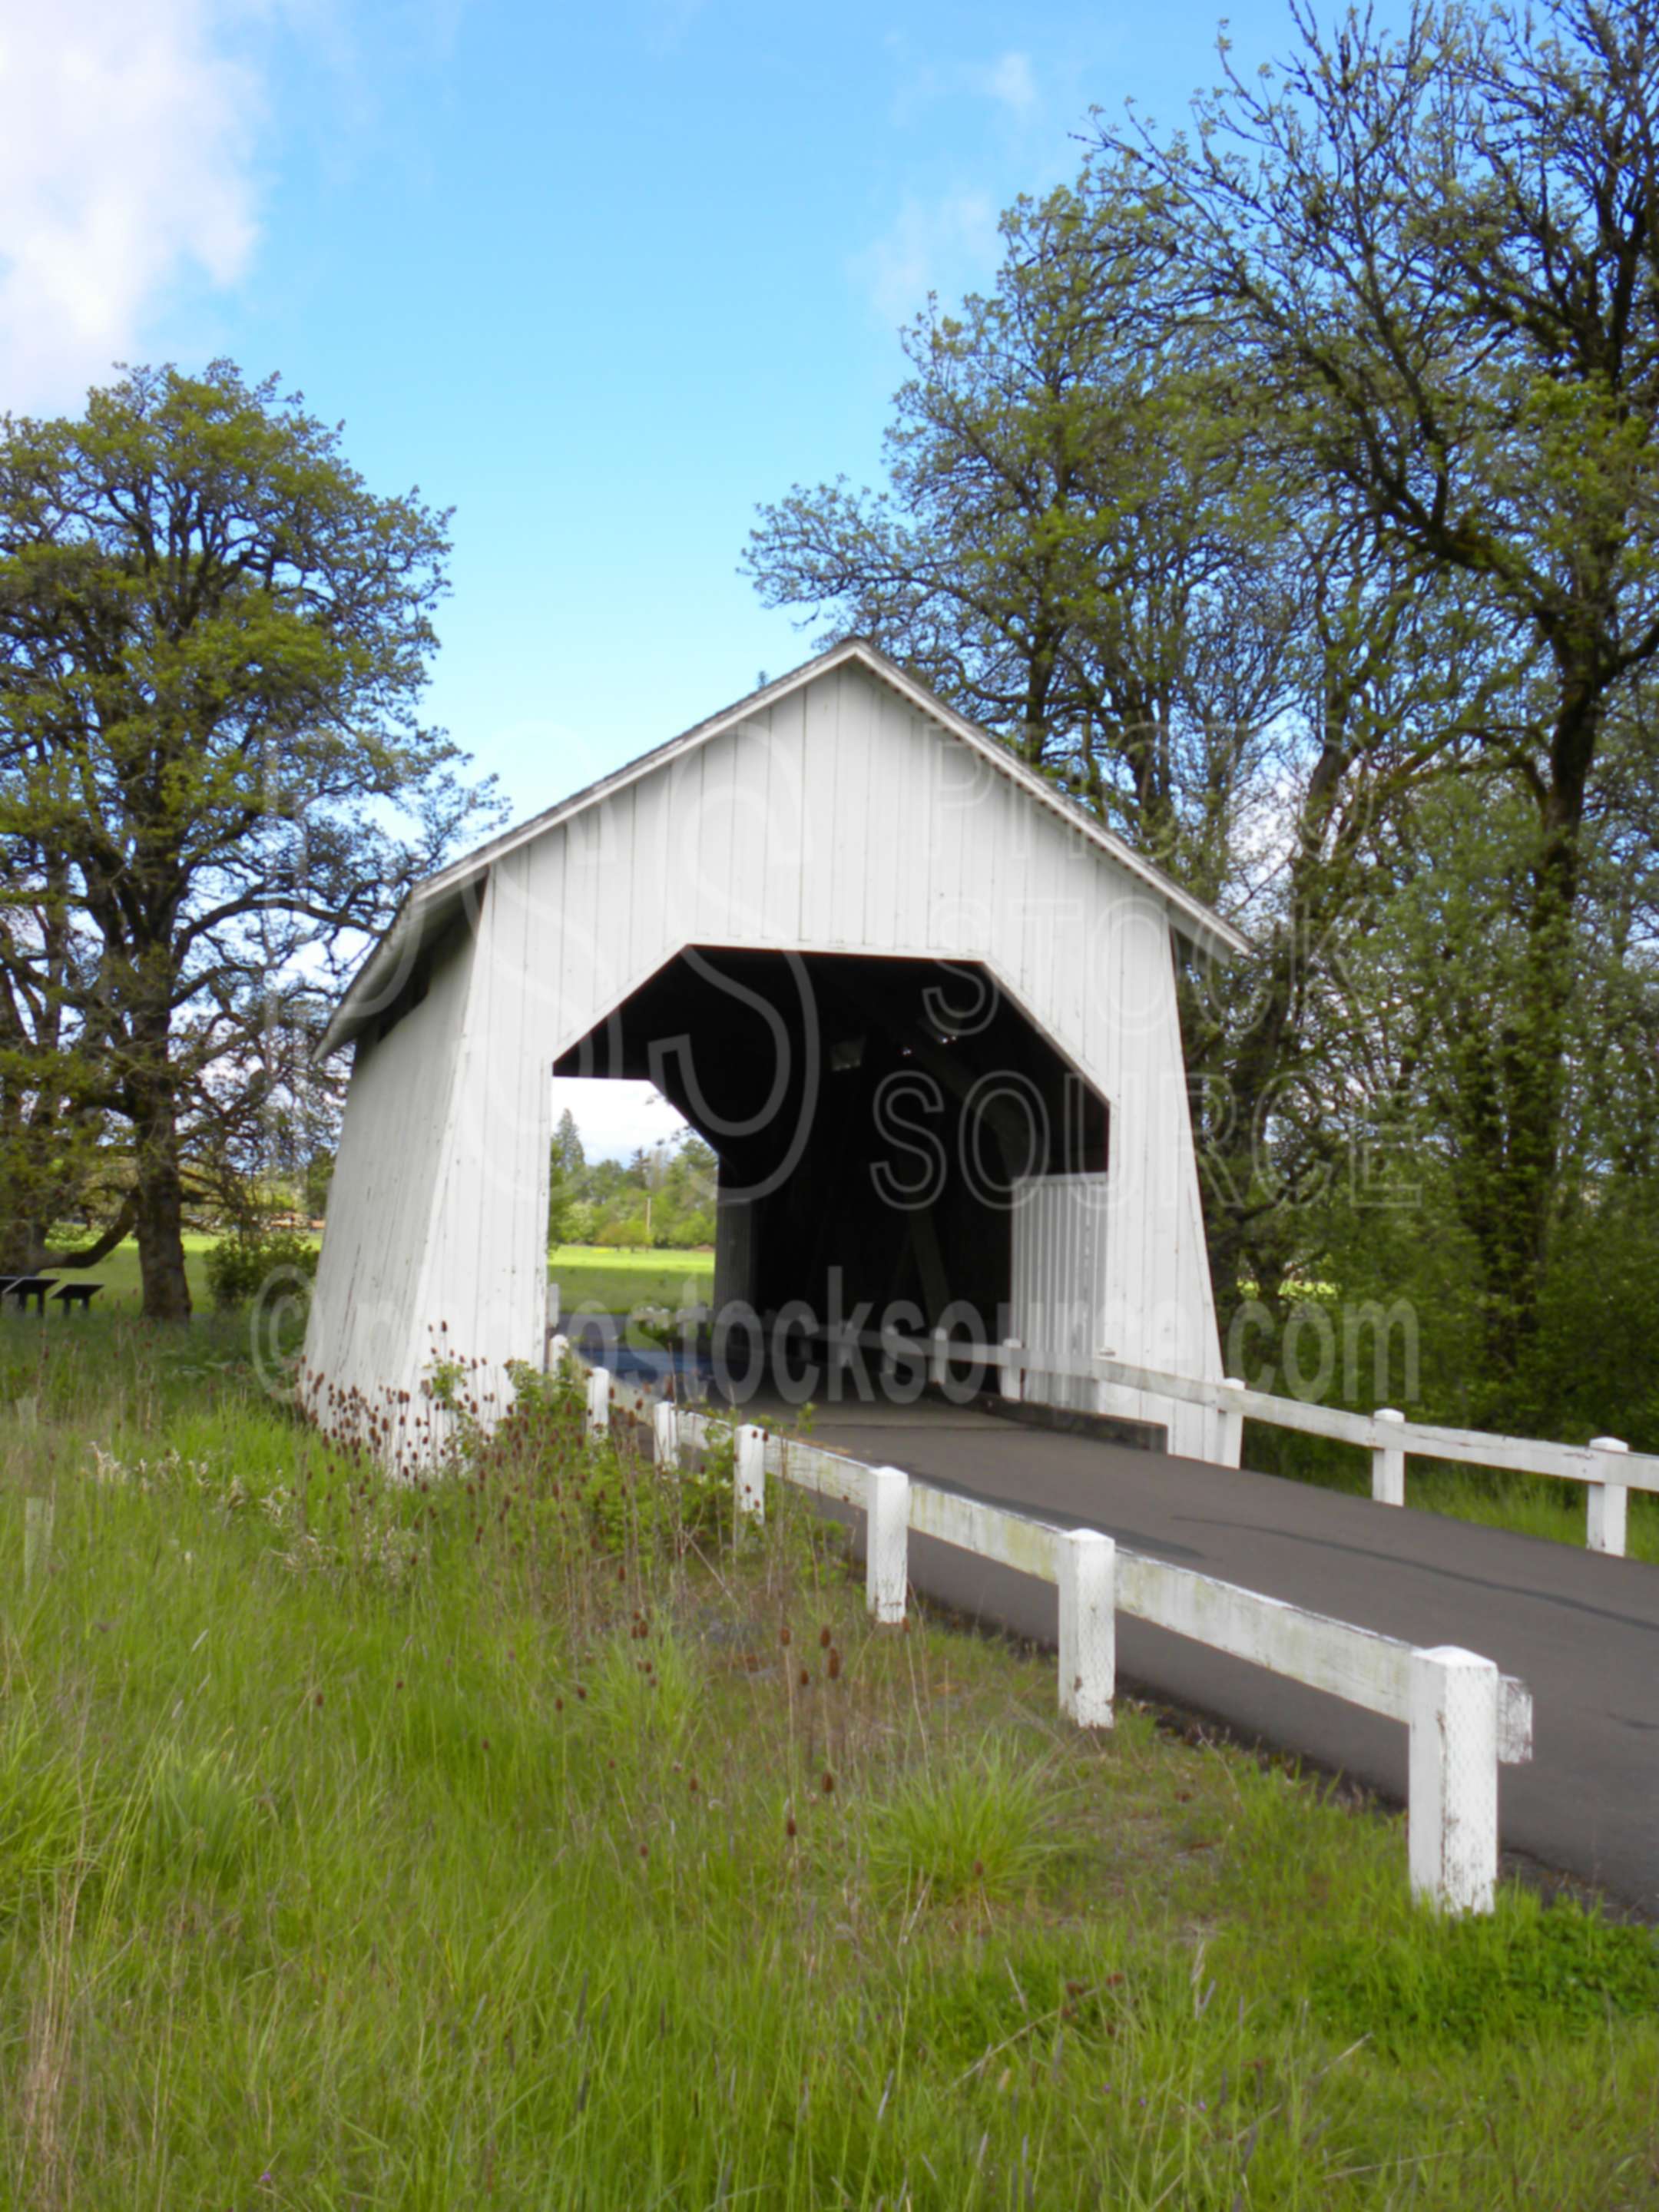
947	246
1009	80
616	1117
125	167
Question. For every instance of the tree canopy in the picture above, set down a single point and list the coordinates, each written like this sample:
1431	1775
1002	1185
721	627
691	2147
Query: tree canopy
213	775
1290	500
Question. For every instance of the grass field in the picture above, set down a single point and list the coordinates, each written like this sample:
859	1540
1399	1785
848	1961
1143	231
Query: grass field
518	1841
595	1280
118	1273
603	1281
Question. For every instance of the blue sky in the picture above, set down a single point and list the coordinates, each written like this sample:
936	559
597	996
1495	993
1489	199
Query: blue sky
603	279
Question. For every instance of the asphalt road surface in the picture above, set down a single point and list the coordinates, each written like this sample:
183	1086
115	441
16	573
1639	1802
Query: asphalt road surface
1582	1630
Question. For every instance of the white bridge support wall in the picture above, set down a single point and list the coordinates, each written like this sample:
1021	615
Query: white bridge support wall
838	817
1059	1283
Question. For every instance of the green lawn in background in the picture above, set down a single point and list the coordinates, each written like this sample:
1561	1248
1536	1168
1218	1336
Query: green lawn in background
593	1280
118	1273
589	1277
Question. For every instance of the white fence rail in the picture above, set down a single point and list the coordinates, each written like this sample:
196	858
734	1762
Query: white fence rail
1465	1717
1606	1466
1609	1468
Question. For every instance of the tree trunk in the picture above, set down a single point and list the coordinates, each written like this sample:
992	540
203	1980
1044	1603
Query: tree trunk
1512	1091
22	1244
104	1243
158	1203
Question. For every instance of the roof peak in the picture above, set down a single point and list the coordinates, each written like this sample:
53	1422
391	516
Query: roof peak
439	892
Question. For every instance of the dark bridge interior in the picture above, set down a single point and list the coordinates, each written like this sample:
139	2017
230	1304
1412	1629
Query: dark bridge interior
870	1115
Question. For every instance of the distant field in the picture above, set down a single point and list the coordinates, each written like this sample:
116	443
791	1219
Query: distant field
118	1273
601	1281
587	1275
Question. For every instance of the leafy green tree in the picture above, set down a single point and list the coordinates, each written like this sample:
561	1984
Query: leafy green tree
318	1179
1069	545
1097	542
567	1165
213	639
1436	253
53	1140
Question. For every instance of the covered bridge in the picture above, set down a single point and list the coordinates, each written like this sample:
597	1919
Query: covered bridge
922	1007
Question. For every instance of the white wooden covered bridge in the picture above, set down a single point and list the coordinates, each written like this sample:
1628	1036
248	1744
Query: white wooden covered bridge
922	1007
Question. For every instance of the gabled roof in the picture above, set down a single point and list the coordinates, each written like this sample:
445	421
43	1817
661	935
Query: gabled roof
435	901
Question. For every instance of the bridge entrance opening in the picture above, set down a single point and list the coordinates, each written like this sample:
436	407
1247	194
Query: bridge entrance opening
875	1120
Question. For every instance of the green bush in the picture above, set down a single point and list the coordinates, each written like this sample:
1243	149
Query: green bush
625	1235
238	1266
199	1813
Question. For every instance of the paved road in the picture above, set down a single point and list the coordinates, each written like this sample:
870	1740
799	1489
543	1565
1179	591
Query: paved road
1580	1630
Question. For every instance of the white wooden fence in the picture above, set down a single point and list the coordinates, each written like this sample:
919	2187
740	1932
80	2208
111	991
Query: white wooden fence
1465	1717
1609	1468
1606	1466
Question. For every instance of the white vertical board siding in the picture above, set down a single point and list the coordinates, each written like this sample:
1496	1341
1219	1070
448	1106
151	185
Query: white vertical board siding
859	796
483	1285
1160	1281
775	760
709	844
359	1336
820	824
839	818
1058	1299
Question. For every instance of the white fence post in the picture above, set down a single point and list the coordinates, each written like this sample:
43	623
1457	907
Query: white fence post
939	1365
886	1542
666	1432
37	1535
558	1351
598	1402
748	1485
1232	1441
1609	1499
1087	1563
555	1306
1389	1463
1452	1809
1012	1384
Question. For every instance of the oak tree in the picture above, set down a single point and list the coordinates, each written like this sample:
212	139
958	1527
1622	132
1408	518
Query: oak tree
214	777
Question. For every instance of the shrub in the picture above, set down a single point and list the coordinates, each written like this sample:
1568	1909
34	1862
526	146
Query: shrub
238	1266
625	1235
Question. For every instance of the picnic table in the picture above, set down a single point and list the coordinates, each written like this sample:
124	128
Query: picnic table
41	1287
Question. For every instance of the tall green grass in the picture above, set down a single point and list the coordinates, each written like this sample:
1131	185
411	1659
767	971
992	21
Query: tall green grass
520	1840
